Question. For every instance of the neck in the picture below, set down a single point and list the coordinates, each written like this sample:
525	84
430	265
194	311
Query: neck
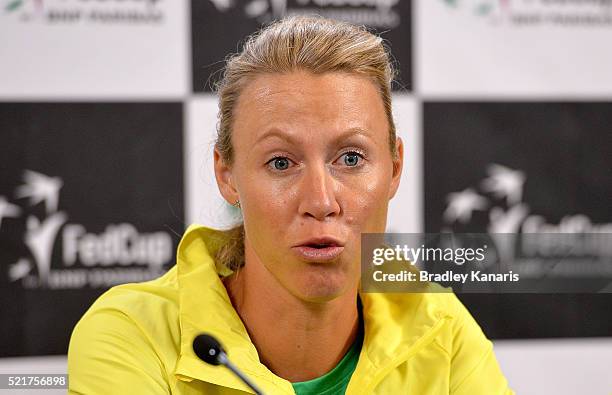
297	340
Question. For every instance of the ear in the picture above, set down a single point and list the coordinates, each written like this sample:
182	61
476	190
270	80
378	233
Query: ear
225	182
398	164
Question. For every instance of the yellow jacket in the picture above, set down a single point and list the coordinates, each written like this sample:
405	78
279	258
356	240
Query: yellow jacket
136	339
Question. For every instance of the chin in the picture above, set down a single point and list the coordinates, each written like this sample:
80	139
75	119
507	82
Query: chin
321	285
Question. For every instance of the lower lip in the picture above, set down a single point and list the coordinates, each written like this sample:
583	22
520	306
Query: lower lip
318	254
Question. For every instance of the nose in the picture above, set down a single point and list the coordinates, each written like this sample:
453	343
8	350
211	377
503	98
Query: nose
317	193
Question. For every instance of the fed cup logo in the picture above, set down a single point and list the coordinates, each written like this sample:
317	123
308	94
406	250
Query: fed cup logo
39	236
377	13
119	254
481	7
500	197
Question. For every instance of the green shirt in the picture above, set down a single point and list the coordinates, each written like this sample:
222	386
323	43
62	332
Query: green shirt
335	381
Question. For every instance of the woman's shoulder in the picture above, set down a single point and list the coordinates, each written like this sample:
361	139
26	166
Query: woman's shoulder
473	365
136	299
443	304
133	308
130	326
432	303
434	309
474	369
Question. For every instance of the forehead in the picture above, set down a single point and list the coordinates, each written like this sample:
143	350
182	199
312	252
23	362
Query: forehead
309	105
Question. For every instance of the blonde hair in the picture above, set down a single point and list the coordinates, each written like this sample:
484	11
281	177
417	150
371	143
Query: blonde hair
311	43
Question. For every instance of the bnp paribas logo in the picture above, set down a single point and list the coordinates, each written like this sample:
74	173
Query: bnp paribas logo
70	12
526	13
26	9
14	5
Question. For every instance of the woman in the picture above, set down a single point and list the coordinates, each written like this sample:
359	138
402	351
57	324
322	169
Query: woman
307	150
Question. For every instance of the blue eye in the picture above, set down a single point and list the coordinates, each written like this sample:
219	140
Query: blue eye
280	163
352	158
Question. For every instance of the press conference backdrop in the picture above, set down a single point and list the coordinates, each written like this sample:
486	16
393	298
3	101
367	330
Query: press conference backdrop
107	119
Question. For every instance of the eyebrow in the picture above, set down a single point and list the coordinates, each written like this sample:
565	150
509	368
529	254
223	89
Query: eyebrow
275	132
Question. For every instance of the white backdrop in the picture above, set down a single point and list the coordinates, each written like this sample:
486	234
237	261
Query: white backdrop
85	58
521	49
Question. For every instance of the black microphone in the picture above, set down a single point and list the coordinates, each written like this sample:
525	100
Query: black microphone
209	350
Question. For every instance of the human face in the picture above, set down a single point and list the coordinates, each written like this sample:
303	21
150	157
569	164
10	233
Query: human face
311	160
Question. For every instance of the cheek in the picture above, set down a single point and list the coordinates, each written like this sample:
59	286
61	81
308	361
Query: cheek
270	202
267	209
366	200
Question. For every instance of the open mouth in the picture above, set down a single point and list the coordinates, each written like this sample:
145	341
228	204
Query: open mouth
319	246
318	252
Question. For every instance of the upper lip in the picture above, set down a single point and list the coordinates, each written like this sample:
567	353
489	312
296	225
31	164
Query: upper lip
321	240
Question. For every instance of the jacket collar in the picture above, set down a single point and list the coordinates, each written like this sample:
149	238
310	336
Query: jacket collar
395	324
